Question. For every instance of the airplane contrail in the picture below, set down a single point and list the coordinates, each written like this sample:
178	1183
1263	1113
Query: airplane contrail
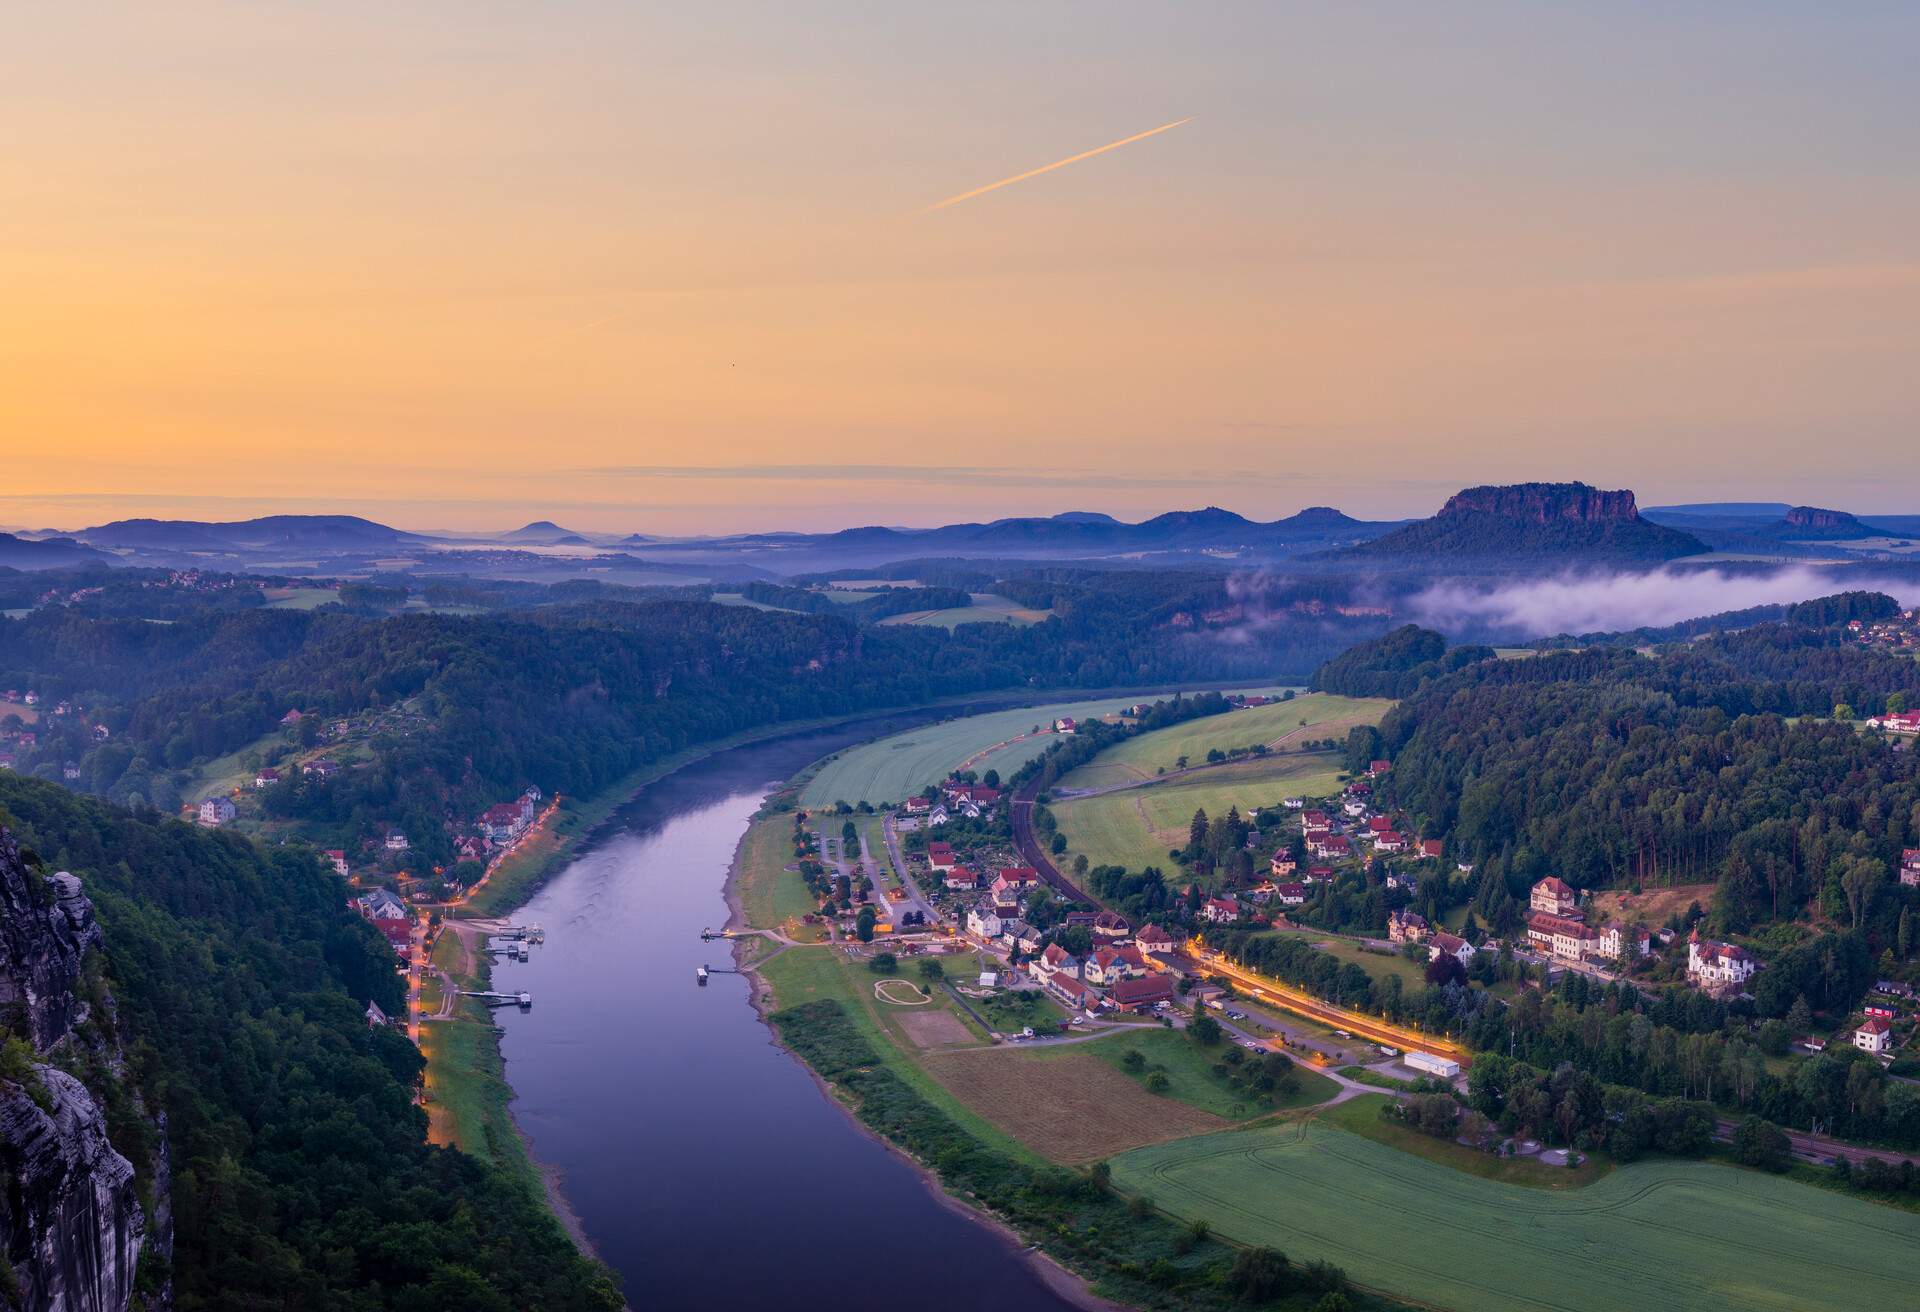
1057	164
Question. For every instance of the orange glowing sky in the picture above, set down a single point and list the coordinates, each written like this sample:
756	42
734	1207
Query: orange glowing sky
664	268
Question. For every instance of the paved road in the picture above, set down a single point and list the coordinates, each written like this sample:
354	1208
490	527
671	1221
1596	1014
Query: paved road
915	899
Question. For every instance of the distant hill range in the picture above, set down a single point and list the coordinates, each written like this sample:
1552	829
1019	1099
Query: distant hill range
46	553
317	533
1532	522
1774	528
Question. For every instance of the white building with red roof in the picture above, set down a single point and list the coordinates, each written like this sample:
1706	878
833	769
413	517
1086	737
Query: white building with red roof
1154	939
1220	910
1714	966
1910	867
1875	1035
1449	945
1556	897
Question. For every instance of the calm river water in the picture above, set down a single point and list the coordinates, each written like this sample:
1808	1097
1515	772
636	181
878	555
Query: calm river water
707	1167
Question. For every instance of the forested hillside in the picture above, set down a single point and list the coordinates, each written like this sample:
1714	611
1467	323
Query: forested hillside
301	1178
1607	767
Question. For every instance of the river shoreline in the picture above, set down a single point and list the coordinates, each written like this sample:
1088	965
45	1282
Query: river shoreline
1063	1282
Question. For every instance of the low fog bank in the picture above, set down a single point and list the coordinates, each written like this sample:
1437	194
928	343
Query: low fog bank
1608	603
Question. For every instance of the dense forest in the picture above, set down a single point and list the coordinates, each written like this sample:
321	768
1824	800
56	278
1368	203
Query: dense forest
301	1178
1612	768
572	693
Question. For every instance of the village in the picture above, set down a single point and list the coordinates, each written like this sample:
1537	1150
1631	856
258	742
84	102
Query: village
946	877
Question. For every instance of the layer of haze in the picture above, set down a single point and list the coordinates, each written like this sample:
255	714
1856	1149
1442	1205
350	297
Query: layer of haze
661	267
1613	603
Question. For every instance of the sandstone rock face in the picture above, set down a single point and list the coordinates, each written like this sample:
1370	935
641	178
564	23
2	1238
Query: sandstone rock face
1813	517
1545	503
74	1224
46	926
71	1223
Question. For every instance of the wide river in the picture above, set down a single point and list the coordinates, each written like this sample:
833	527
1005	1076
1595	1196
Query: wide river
704	1163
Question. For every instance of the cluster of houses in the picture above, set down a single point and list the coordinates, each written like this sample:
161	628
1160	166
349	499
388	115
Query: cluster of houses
18	742
390	916
1115	974
969	801
1904	723
1557	925
1899	633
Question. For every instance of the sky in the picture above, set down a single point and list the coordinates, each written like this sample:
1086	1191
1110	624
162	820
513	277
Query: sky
671	268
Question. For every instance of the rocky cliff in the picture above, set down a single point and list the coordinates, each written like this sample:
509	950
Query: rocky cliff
70	1217
1522	525
1545	503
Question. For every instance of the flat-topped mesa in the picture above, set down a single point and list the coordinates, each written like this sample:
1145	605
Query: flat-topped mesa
1544	503
1814	517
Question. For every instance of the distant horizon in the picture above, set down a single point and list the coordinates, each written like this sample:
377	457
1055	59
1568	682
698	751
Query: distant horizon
504	516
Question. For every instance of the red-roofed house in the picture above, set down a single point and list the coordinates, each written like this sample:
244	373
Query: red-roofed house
1389	841
1055	960
1563	936
961	877
1141	994
1874	1036
1290	894
337	859
1910	867
1314	822
1717	965
1221	910
1378	768
1451	945
1408	927
1282	864
1111	926
1011	886
1556	897
940	856
1432	848
1072	992
1154	939
1379	824
1330	847
1108	966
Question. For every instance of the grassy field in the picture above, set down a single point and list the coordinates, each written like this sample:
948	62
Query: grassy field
300	598
1277	724
1378	965
1189	1071
803	974
772	896
1686	1236
1136	828
223	774
1066	1103
890	769
987	608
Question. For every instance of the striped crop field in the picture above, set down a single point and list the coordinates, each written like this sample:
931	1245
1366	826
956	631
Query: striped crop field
1678	1236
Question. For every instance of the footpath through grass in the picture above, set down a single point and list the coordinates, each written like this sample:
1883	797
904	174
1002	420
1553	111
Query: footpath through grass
467	1087
1688	1236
